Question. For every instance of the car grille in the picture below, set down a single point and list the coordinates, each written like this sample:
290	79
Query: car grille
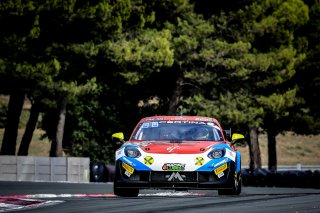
173	177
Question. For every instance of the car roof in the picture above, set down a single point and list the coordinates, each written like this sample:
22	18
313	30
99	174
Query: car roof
179	118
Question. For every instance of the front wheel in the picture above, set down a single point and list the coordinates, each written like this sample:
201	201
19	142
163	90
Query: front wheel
236	187
125	192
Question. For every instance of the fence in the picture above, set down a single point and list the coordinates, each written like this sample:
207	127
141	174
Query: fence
50	169
298	167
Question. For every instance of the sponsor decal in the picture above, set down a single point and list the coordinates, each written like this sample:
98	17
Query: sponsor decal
145	125
220	163
170	149
173	167
220	169
128	161
203	119
199	161
127	173
211	166
129	169
153	119
220	175
151	124
148	160
188	122
154	124
175	176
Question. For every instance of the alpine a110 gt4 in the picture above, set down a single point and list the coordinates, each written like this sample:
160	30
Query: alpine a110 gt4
180	153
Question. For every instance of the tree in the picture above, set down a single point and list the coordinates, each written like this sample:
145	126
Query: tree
257	59
280	96
306	119
35	60
18	64
31	126
69	91
11	131
120	60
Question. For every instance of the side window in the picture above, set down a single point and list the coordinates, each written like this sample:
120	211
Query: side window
217	135
226	134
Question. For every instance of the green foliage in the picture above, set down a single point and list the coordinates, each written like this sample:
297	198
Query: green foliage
277	20
248	70
118	61
92	126
123	56
307	78
278	103
141	56
232	109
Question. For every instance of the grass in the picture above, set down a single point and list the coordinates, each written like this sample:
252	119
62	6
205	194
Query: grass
291	149
37	146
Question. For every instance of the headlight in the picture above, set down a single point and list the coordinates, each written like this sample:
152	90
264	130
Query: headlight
132	152
216	153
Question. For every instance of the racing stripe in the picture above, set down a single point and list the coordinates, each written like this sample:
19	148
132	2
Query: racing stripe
213	164
238	161
137	165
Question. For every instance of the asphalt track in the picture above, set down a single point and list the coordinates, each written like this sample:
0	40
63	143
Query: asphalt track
98	197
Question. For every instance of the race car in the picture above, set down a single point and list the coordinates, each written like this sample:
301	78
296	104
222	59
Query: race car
180	153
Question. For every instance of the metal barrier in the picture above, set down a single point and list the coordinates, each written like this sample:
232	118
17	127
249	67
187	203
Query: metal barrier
298	167
50	169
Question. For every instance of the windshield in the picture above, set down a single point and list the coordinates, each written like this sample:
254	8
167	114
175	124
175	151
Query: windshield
178	130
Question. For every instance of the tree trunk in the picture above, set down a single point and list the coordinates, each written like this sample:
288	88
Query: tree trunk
31	126
251	157
175	99
255	154
53	148
272	150
60	127
12	123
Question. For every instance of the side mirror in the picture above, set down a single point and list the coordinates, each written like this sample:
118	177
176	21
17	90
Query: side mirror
237	138
119	137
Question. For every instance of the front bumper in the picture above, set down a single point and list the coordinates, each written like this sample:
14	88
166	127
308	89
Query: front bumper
175	179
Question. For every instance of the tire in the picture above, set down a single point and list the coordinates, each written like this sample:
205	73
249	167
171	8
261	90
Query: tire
123	192
236	188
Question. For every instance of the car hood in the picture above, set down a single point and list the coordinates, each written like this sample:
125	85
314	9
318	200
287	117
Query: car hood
166	147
